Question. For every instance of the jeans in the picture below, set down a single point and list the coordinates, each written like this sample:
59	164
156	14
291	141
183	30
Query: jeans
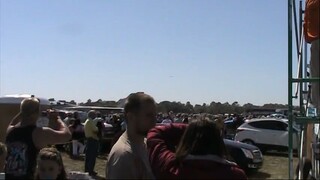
91	154
77	147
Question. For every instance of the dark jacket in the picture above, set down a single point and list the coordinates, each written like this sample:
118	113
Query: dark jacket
162	141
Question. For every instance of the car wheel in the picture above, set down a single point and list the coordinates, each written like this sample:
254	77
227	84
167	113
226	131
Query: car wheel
248	141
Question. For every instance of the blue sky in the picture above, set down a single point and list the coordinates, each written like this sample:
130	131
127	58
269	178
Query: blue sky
177	50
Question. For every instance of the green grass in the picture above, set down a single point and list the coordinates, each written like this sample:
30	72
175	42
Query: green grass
275	166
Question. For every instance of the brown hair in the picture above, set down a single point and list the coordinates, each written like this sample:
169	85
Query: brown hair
135	100
54	155
202	137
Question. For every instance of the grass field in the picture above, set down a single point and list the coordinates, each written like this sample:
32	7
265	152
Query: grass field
275	166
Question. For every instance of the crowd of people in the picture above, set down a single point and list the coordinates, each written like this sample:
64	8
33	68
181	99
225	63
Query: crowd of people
144	150
174	150
28	151
147	146
180	147
24	140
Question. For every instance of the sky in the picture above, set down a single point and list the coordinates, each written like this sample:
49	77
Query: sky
176	50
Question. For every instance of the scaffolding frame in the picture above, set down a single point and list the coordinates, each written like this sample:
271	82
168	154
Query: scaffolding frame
307	115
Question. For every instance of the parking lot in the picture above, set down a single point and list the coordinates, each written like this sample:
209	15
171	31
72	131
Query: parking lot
275	166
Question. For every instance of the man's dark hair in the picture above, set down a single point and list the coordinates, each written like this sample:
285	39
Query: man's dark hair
75	115
70	115
99	115
135	100
44	113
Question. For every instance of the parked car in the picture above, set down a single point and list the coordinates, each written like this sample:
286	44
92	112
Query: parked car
269	133
248	157
108	131
229	129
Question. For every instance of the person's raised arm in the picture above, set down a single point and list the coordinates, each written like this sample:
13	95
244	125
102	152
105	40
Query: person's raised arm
71	129
46	136
15	120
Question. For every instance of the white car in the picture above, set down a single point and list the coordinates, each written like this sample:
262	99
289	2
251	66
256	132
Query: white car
269	133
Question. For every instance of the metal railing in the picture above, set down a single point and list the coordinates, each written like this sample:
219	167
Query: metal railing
302	88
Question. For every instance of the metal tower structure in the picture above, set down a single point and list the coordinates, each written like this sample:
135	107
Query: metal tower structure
302	81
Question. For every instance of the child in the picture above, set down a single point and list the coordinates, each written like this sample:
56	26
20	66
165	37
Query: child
3	155
50	165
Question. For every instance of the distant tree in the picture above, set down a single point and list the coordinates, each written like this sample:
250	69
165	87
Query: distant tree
226	108
212	108
178	107
88	102
235	103
189	107
72	102
274	106
198	108
236	108
99	101
110	104
248	105
165	106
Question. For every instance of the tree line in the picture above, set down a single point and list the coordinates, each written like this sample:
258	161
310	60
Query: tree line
178	107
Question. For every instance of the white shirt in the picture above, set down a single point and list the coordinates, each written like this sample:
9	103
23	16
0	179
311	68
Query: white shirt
166	121
96	120
67	120
2	176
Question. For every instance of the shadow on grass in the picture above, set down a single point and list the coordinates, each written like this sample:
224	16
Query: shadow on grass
78	158
258	175
82	158
104	157
99	178
279	154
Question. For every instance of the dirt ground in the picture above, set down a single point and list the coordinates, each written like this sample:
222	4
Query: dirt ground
275	166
